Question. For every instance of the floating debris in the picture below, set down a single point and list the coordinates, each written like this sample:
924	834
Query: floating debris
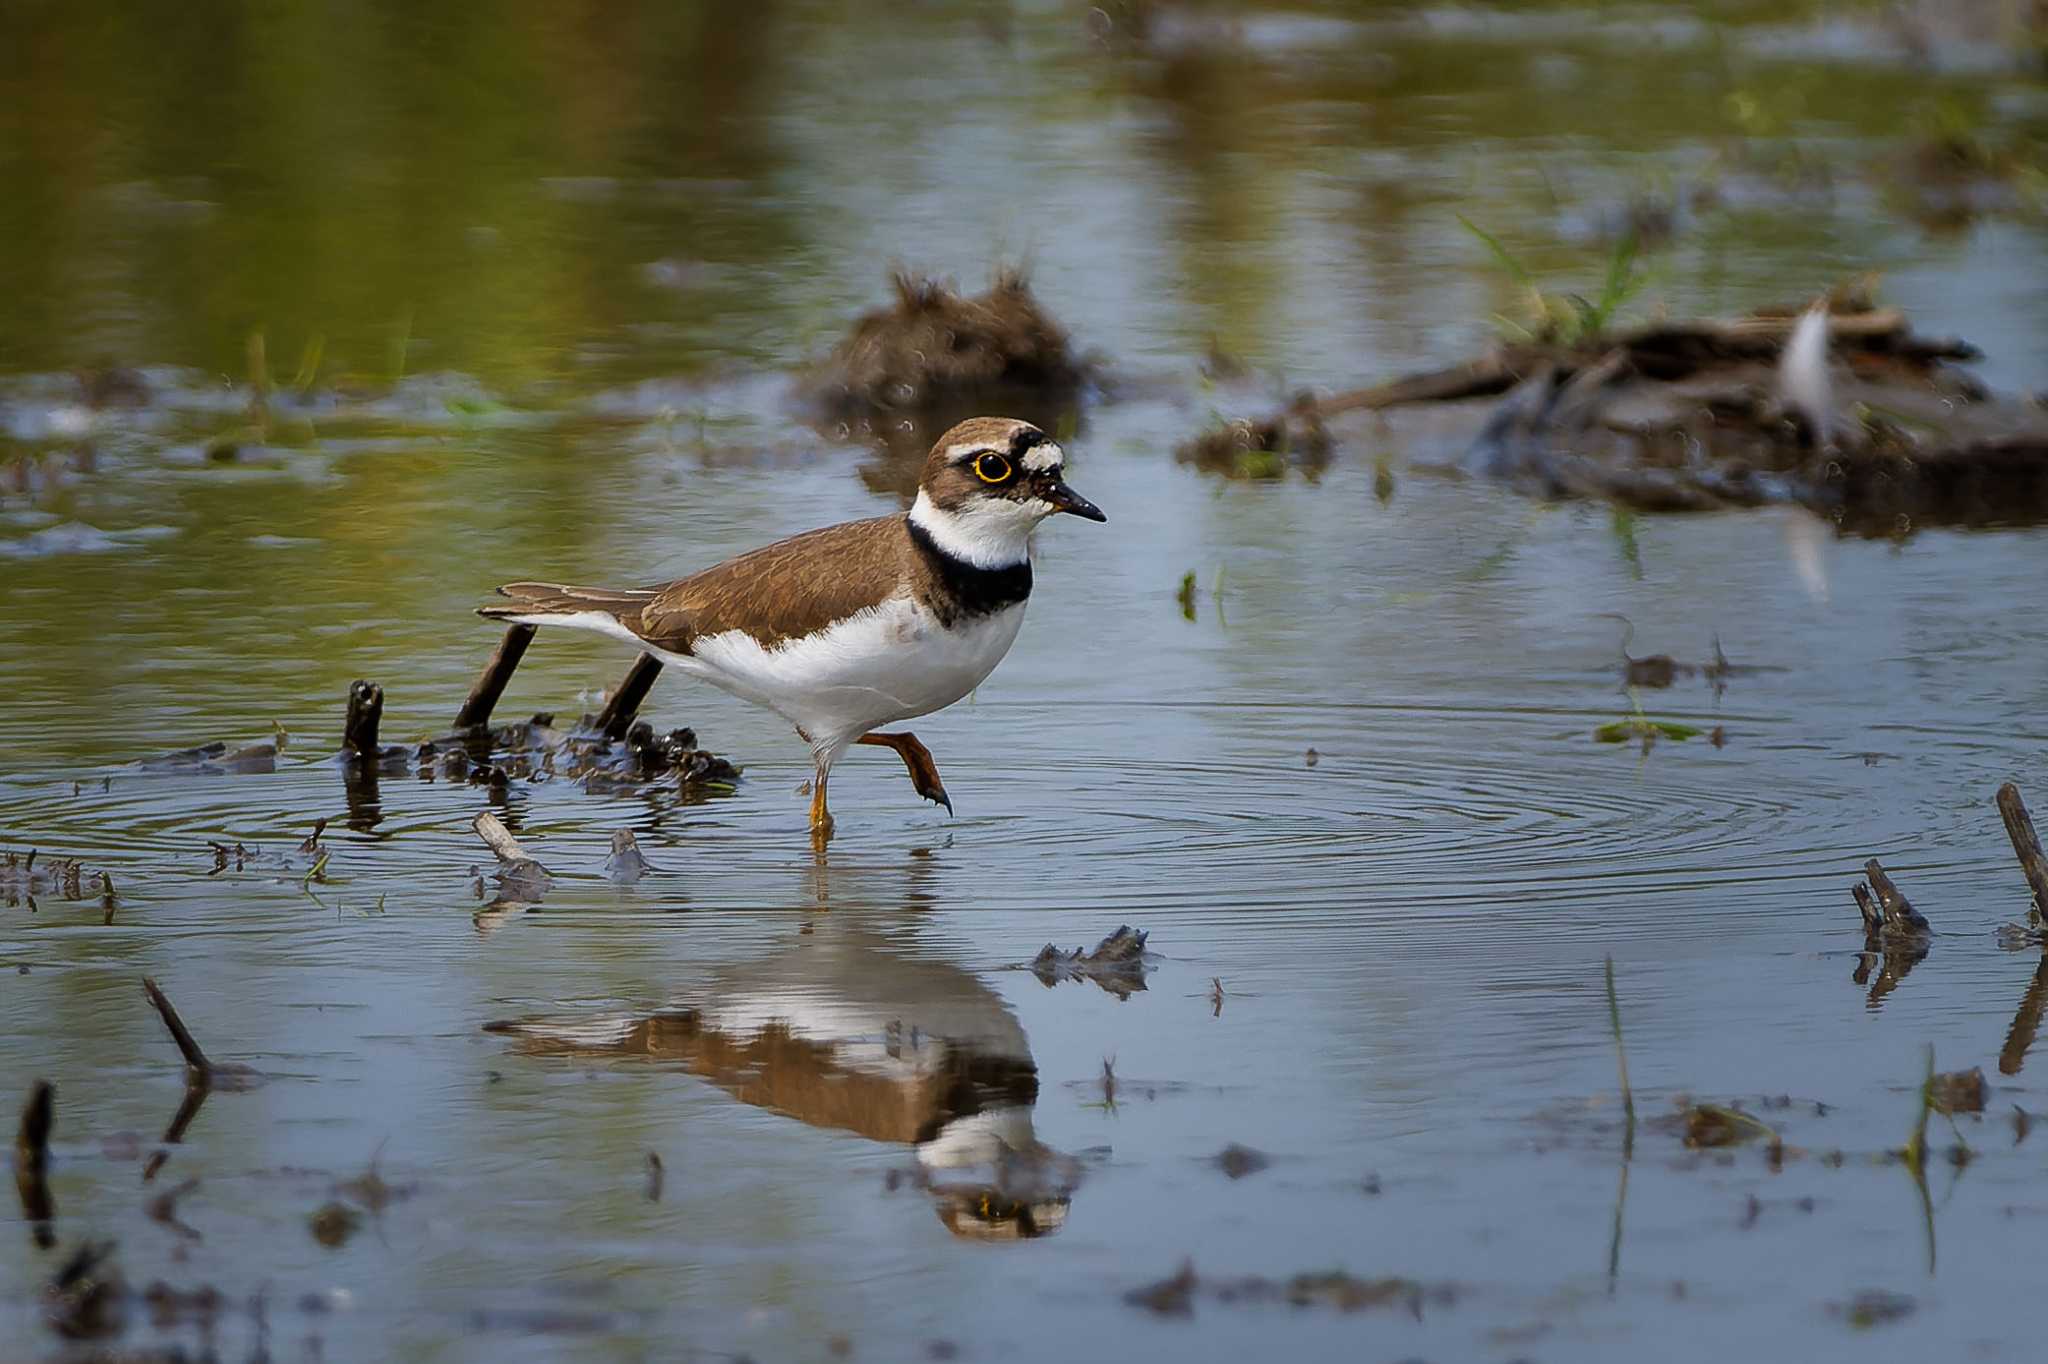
1174	1296
655	1177
1875	1307
332	1223
1695	415
22	879
1712	1125
1637	727
214	759
1238	1161
1263	450
1117	964
370	1191
934	345
1957	1091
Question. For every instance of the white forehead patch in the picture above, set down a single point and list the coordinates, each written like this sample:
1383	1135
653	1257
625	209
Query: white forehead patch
1044	456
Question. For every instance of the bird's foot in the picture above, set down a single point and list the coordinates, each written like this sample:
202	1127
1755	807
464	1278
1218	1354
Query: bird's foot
917	760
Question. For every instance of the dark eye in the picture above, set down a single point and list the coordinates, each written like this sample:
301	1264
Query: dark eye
991	467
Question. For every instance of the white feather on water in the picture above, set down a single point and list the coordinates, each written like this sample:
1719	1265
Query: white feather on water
1803	380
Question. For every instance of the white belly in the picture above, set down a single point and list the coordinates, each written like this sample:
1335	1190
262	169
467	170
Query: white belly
886	664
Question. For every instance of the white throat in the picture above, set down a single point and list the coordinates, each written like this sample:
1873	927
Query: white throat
988	533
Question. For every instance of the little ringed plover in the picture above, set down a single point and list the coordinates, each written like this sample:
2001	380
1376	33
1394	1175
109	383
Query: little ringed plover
859	625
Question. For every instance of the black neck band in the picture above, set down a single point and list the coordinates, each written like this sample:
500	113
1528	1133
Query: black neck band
972	590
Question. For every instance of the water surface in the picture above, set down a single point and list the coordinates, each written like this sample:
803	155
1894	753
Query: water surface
559	271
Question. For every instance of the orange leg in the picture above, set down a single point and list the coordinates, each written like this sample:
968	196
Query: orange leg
821	818
917	759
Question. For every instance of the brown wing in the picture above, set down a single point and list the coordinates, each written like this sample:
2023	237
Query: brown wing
780	591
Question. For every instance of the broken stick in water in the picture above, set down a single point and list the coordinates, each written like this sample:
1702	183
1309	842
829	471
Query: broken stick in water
200	1072
626	698
499	839
2019	827
490	683
1886	910
521	878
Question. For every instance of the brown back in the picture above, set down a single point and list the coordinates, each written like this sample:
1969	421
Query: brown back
779	592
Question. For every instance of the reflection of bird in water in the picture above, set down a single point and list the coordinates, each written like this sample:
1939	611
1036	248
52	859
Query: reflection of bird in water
842	1031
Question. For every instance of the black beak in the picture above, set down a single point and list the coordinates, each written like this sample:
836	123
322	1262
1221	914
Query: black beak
1067	500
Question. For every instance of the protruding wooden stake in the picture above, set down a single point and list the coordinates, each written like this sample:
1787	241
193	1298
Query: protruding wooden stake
365	713
2026	843
490	683
626	698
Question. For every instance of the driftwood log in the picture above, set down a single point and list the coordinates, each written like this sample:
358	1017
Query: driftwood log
1695	415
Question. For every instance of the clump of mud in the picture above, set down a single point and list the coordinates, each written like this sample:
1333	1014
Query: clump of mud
934	345
1262	448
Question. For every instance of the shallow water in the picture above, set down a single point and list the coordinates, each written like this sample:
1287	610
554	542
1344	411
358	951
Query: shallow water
1408	933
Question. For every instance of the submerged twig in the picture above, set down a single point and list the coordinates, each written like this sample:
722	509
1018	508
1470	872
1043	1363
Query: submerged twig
1628	1098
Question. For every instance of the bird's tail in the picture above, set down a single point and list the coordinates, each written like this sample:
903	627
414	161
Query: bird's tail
537	603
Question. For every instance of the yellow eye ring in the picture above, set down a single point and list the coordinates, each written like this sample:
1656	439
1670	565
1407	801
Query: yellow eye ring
991	467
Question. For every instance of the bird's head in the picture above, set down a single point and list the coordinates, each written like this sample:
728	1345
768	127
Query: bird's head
987	484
